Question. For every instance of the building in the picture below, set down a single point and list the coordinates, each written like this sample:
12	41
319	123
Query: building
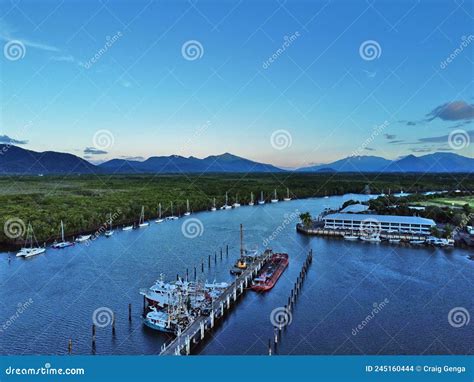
385	223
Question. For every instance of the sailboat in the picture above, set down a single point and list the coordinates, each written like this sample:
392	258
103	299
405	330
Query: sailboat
213	208
82	238
287	199
29	249
160	219
236	204
63	243
226	205
188	211
261	201
127	228
275	197
110	231
142	223
251	199
172	217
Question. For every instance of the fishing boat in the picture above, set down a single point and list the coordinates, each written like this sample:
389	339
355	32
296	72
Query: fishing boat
287	199
236	204
351	237
110	231
160	320
82	238
31	247
226	205
160	219
261	200
251	199
275	197
127	228
141	222
270	272
63	243
213	208
188	211
371	239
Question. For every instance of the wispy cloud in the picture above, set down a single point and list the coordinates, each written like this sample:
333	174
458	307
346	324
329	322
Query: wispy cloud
452	111
390	136
93	151
8	140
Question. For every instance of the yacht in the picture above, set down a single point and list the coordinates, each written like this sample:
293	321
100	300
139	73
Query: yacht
261	201
236	204
82	238
188	211
287	199
172	217
63	243
127	228
226	205
31	247
110	231
160	219
275	197
213	208
251	199
142	223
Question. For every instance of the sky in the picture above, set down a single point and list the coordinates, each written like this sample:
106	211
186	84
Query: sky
292	83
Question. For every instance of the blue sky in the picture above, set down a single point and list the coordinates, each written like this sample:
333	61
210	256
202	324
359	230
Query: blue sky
325	97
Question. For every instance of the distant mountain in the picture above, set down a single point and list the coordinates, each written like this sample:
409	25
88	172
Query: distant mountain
15	160
175	163
435	163
352	164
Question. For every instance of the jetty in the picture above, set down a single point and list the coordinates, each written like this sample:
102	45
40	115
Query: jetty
196	331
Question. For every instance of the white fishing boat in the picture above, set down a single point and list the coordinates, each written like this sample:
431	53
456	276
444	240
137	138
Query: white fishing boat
188	211
236	204
351	237
160	320
275	197
213	208
142	223
63	243
371	238
110	231
287	199
127	228
82	238
226	205
261	200
251	199
31	247
160	219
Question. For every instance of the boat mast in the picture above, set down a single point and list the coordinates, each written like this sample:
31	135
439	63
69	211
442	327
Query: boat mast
172	214
159	210
187	205
214	205
241	241
226	199
62	231
288	193
251	197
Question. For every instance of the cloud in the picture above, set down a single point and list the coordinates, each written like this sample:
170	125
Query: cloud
369	149
452	111
94	151
66	58
411	123
11	141
396	141
390	136
138	158
421	149
443	138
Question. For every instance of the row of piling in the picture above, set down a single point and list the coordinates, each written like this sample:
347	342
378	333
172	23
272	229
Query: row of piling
209	258
291	302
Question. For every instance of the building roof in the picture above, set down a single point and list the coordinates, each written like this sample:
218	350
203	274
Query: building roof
381	218
354	208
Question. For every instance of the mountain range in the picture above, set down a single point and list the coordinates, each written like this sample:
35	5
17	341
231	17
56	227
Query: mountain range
16	160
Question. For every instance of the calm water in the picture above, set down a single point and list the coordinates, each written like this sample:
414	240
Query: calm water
346	278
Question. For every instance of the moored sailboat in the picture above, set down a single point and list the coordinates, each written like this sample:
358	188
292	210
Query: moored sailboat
160	219
226	205
236	204
213	208
142	223
188	211
287	199
261	200
63	243
275	197
251	199
31	247
110	231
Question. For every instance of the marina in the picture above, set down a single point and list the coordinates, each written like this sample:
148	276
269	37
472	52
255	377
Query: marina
110	273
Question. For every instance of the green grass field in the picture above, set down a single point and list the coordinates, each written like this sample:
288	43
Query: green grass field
449	202
83	202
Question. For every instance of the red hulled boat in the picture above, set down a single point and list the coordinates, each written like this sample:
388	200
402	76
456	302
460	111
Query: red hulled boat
270	272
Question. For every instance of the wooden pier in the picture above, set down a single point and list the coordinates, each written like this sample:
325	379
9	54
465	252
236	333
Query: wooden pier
196	331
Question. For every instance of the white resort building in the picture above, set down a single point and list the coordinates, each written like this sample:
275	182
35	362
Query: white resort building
387	223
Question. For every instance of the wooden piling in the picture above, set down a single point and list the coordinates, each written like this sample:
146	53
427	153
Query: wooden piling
227	250
69	346
130	312
113	323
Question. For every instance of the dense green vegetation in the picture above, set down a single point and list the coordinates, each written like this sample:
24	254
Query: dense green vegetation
83	202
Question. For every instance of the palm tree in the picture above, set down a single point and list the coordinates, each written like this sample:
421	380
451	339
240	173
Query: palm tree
306	219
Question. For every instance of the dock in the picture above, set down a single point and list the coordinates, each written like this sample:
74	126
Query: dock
197	330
